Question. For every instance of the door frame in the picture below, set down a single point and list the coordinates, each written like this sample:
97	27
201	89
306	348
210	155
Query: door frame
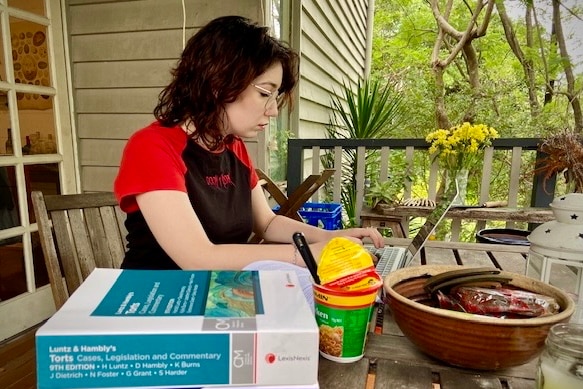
36	304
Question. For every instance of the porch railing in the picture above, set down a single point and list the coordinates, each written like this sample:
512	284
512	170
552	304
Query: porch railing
518	156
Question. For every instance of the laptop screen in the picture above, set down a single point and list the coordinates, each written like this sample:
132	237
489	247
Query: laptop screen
433	219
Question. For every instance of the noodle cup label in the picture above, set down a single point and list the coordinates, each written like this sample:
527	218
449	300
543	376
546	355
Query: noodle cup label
343	317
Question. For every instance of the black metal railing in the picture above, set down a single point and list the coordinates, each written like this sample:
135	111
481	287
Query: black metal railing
541	194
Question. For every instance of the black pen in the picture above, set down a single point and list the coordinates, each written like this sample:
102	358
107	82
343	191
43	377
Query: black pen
306	253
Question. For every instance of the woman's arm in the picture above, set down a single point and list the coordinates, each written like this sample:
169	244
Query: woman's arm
179	232
280	228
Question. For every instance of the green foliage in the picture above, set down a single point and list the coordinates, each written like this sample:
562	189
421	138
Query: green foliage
371	110
381	192
278	155
404	35
402	45
405	32
390	191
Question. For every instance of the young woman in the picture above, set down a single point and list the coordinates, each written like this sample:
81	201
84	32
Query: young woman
187	182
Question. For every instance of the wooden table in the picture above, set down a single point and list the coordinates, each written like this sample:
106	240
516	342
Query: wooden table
396	218
392	361
515	214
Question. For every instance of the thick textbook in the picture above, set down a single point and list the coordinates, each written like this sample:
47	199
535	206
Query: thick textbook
175	328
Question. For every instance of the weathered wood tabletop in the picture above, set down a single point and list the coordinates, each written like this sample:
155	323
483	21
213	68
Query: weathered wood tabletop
515	214
396	218
392	361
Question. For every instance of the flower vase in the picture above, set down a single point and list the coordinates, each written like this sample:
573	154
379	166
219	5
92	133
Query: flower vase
461	176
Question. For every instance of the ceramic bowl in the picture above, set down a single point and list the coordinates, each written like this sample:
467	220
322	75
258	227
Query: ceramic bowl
465	340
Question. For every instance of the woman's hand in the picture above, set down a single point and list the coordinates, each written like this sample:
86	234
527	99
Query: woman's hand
360	233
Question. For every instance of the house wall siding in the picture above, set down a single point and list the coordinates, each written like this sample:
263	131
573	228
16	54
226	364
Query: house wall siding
121	55
333	45
122	52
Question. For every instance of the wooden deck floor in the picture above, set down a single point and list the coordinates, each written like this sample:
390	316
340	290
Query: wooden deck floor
18	361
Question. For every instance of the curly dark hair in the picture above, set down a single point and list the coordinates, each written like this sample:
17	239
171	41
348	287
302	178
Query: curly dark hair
217	65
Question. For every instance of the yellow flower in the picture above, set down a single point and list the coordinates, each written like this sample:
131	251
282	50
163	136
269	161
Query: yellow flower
460	146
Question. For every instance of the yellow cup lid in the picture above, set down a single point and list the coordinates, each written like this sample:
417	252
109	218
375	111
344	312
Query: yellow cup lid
344	259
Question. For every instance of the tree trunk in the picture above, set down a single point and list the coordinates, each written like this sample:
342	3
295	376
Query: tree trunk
567	67
474	79
474	29
526	63
550	78
440	110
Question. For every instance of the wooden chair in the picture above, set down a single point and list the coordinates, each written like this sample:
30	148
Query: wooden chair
89	232
289	206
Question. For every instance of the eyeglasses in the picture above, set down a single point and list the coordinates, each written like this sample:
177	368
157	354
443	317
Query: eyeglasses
273	98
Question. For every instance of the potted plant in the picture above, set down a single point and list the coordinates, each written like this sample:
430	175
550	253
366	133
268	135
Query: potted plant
389	193
381	194
564	155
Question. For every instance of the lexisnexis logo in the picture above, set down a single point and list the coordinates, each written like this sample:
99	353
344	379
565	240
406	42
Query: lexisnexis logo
271	358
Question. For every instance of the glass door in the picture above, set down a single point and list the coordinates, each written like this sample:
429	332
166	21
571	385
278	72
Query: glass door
36	151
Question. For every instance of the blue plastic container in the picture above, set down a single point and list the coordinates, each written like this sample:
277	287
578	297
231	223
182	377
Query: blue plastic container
324	215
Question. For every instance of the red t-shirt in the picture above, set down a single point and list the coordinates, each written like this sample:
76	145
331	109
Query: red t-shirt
218	184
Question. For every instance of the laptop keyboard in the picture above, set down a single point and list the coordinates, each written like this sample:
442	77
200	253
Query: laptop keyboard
389	258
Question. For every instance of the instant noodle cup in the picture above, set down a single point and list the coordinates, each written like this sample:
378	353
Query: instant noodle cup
343	316
348	288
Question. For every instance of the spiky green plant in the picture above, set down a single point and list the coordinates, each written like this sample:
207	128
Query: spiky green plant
369	110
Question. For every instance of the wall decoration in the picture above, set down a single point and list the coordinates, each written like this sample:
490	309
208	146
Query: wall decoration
31	66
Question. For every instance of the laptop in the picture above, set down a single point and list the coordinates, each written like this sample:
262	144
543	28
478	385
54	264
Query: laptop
393	258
